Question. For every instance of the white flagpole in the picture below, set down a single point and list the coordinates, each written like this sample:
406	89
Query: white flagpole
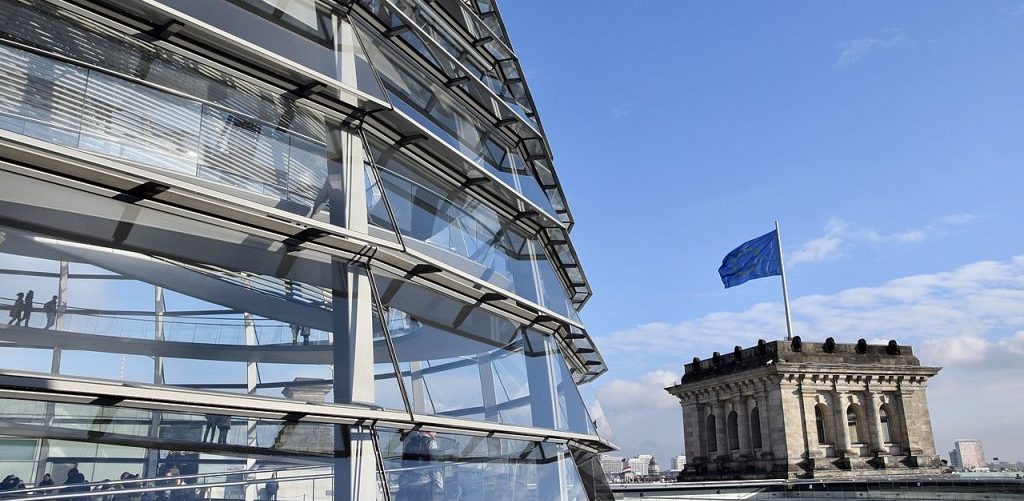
785	291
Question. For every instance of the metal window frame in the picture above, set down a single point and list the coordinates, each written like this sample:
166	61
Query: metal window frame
105	176
389	119
24	385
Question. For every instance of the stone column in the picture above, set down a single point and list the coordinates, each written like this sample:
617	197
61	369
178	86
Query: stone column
874	423
739	404
842	431
702	429
766	431
721	430
810	425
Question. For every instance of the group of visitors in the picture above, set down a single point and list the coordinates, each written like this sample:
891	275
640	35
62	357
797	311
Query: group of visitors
71	485
24	304
219	425
11	482
76	482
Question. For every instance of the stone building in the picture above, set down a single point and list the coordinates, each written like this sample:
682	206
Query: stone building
807	410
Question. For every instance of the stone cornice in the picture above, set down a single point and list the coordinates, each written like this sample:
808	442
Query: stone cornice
817	376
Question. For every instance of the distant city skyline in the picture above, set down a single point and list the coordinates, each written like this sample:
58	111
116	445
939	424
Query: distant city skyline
885	138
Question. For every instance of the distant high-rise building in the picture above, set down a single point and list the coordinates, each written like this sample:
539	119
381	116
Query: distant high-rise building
679	462
954	460
970	455
612	465
643	464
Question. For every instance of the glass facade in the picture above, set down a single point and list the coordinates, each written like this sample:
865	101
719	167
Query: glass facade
225	277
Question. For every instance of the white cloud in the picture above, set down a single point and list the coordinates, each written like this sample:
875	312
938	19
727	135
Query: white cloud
644	417
969	320
621	110
839	235
854	50
823	247
957	350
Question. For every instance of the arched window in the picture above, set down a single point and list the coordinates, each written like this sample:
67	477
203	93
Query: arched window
851	424
755	428
883	418
819	425
711	430
734	435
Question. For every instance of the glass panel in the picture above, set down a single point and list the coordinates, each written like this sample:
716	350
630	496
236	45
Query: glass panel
851	423
302	31
251	140
488	246
140	124
572	411
883	417
156	129
553	292
427	102
595	482
596	412
51	29
378	213
165	301
460	231
462	361
307	173
143	454
428	465
39	97
243	152
450	47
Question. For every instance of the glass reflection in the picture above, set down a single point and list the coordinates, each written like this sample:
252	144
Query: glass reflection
98	451
306	32
429	465
433	107
87	310
459	360
469	235
226	131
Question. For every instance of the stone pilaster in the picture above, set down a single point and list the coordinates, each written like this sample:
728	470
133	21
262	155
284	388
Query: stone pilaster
871	404
814	450
842	430
761	401
742	424
721	431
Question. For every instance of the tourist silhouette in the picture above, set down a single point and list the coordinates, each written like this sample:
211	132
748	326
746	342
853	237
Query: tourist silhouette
50	308
26	310
19	303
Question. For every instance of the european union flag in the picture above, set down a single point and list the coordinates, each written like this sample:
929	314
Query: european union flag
757	258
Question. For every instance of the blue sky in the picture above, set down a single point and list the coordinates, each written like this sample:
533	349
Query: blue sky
886	137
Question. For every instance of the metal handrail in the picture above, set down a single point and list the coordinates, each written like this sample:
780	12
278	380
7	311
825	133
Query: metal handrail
142	490
5	494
